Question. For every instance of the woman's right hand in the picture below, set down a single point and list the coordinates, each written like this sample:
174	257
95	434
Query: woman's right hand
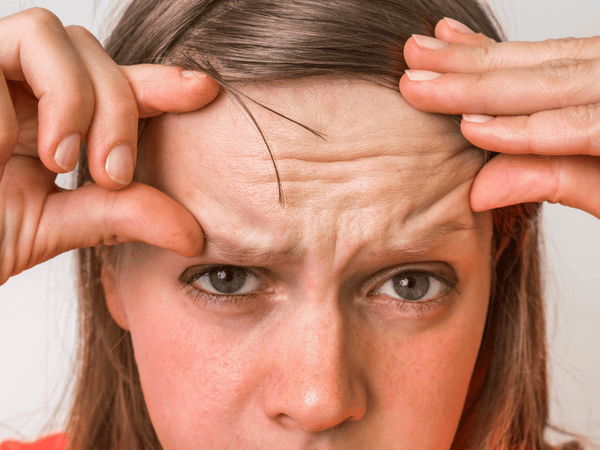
58	88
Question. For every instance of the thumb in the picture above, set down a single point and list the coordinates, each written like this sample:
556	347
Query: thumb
510	179
91	215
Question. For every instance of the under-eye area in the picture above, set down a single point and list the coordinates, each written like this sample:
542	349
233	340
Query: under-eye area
224	286
415	291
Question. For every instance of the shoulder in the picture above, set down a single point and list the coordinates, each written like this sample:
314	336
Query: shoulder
56	442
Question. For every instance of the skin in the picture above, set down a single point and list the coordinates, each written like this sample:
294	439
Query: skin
536	103
541	120
318	354
95	99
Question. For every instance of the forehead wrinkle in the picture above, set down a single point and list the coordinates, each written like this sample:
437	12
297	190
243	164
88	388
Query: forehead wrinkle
467	161
248	251
326	110
418	241
238	173
354	144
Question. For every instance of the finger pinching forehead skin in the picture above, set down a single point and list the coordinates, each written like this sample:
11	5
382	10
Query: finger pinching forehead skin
374	151
383	188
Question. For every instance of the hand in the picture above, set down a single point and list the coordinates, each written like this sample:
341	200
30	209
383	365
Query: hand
538	104
57	88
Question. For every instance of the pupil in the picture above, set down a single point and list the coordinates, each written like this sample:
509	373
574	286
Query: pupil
227	280
411	287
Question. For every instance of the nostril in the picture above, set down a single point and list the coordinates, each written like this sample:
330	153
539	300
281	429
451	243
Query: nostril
287	422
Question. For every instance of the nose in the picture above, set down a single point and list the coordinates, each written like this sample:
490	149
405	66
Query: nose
315	383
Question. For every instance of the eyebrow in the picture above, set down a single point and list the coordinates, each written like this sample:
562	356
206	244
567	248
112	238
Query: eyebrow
246	254
428	238
252	255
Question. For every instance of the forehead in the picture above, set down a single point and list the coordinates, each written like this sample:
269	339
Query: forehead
376	165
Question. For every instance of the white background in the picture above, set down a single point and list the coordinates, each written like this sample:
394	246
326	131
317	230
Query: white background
37	308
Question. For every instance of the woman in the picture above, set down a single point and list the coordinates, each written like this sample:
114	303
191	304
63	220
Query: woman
342	296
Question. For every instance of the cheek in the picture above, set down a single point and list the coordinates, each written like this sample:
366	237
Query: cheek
194	384
189	373
423	381
203	383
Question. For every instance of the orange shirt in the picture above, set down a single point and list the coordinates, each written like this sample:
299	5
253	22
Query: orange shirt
56	442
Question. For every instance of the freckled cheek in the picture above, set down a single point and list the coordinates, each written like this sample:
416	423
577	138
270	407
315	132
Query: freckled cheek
195	385
422	381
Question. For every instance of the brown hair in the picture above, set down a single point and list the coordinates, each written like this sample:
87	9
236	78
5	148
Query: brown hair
254	41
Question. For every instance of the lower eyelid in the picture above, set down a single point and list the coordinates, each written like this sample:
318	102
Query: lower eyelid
200	295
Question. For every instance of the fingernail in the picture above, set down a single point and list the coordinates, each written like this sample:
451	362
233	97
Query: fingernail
477	118
421	75
457	26
67	152
119	164
192	74
429	42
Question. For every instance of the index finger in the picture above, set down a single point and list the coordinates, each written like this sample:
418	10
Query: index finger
159	89
37	50
507	92
440	56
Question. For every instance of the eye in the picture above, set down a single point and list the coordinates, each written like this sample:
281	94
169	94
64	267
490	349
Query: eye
413	286
227	280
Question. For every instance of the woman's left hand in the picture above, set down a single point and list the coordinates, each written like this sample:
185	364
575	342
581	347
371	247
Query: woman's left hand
536	103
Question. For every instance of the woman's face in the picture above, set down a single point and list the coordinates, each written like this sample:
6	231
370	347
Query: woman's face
350	317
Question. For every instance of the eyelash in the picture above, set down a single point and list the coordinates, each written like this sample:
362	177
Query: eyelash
224	301
417	307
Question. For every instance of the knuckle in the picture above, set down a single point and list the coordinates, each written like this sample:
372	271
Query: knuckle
486	40
111	240
141	93
121	108
79	33
492	56
564	46
556	168
488	58
40	18
560	70
585	120
77	100
582	116
109	218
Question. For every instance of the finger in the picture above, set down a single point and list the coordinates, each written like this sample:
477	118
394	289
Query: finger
9	127
431	54
90	216
508	179
37	50
454	32
568	131
112	137
551	85
159	89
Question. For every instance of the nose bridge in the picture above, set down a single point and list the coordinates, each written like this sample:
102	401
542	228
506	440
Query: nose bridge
314	385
